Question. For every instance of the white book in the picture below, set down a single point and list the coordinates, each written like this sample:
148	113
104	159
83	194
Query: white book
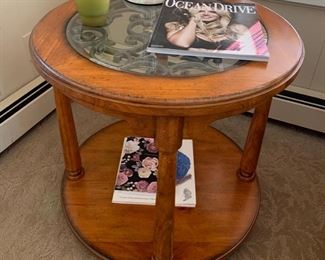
136	181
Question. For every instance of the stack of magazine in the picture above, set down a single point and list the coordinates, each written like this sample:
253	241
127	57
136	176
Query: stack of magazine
210	28
136	181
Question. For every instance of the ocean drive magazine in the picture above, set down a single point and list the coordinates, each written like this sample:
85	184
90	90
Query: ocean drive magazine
210	28
136	181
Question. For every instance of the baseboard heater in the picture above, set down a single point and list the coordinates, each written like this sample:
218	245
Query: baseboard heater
302	99
24	109
299	109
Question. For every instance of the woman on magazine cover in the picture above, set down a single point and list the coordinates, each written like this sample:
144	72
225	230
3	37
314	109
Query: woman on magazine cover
206	29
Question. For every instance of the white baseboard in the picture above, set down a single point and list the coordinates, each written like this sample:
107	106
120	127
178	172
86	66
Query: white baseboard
11	129
298	114
25	118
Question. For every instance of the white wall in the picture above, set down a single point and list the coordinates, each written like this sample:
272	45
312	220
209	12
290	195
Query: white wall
17	18
309	2
309	21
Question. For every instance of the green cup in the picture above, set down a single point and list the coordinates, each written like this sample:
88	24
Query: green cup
93	12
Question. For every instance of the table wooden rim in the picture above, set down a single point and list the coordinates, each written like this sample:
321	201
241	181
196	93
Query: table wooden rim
104	252
107	91
167	109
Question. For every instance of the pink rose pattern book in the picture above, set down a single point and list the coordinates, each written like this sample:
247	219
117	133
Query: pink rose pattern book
136	181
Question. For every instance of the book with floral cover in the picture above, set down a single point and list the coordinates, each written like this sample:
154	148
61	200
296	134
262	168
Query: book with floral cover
210	28
136	181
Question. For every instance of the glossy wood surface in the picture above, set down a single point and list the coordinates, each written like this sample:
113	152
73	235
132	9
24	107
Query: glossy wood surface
225	212
73	167
168	109
251	153
169	139
107	90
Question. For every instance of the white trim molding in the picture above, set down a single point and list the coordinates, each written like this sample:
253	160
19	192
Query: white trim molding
298	114
320	3
25	111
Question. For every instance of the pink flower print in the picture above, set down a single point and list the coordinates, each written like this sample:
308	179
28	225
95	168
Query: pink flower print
152	187
135	157
128	172
142	186
131	146
150	163
121	179
152	148
144	172
148	139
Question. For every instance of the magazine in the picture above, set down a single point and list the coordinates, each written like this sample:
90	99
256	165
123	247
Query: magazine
136	181
210	28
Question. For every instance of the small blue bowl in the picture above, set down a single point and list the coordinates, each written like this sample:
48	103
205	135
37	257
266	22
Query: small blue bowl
183	165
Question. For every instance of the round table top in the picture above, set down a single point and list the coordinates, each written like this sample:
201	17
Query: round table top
121	44
237	89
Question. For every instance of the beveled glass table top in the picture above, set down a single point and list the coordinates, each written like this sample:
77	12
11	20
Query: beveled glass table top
121	44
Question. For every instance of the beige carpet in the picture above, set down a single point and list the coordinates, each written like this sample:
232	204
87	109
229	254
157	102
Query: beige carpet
291	222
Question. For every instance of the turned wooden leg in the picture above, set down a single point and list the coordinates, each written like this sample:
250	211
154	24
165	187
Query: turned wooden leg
169	135
73	168
248	163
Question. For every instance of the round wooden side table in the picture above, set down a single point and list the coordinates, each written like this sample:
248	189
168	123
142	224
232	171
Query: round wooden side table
169	107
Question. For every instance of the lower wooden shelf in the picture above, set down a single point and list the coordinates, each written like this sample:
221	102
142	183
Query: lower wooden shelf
226	207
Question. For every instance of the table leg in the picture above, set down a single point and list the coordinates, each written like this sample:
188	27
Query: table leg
169	135
248	163
73	168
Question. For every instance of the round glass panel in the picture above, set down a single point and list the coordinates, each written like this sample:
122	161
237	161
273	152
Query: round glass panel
121	44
